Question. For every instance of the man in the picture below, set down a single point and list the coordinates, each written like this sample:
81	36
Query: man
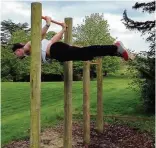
53	49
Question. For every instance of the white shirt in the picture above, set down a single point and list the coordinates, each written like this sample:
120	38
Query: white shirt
44	44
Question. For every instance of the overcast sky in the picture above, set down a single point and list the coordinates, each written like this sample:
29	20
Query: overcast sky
19	11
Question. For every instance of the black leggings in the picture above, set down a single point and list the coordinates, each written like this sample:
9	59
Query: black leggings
64	52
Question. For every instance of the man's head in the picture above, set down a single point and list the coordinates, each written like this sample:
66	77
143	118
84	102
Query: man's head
18	50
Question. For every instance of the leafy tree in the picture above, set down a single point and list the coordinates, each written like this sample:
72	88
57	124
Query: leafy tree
94	31
54	68
50	34
12	67
145	63
6	65
20	36
111	64
8	28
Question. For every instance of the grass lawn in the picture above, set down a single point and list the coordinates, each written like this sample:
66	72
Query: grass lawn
118	100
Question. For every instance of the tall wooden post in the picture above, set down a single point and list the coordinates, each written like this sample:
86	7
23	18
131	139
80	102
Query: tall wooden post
86	103
99	120
68	78
35	73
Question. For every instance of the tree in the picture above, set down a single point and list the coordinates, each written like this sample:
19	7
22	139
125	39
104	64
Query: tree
8	28
6	62
12	67
145	63
50	34
111	64
94	30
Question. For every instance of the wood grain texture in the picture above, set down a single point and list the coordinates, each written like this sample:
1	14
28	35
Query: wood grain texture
68	79
86	102
99	120
35	73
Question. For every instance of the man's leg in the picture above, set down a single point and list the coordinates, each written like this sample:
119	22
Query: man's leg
117	49
100	50
65	52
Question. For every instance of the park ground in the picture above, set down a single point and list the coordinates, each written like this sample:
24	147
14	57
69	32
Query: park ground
119	100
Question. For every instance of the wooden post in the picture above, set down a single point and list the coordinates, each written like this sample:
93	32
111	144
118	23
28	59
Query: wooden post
68	78
99	120
35	73
86	103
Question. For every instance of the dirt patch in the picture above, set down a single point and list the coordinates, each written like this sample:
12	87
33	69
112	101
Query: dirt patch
113	136
51	138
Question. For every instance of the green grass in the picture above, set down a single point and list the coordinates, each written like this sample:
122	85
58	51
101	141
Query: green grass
118	100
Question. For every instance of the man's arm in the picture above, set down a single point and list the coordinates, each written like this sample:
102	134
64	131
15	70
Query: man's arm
44	31
27	46
46	27
48	22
